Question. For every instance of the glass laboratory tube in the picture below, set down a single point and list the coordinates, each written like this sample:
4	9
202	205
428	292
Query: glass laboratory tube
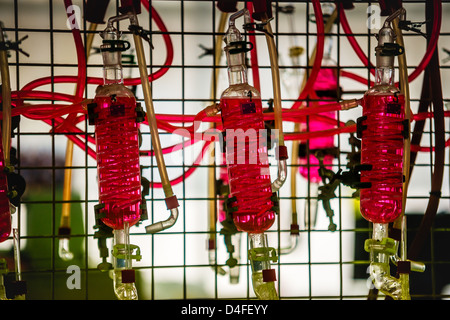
263	276
117	142
246	148
123	274
382	144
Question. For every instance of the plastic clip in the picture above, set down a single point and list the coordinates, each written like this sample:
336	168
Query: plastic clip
263	254
121	247
386	245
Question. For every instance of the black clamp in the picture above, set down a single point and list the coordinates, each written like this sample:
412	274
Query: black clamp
411	26
17	288
269	125
115	45
145	183
354	156
16	187
276	202
390	49
436	194
228	205
326	191
104	232
253	26
240	47
406	130
144	34
229	229
222	189
16	183
352	178
92	115
360	127
140	113
223	141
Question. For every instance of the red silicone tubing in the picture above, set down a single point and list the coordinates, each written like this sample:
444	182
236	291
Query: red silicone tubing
308	88
189	171
357	78
127	81
303	136
430	48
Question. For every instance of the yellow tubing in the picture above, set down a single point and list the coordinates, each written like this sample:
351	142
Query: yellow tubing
6	94
151	117
275	82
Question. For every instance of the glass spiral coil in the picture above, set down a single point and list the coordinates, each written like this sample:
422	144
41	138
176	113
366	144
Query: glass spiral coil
117	141
247	163
382	149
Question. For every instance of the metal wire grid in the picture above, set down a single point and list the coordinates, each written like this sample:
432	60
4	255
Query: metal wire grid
325	265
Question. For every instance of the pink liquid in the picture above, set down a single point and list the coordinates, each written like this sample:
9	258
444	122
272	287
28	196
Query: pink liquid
247	163
5	213
382	147
116	134
326	80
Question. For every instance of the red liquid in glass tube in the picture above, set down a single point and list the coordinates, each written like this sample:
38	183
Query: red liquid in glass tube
309	169
247	163
382	147
5	211
117	140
